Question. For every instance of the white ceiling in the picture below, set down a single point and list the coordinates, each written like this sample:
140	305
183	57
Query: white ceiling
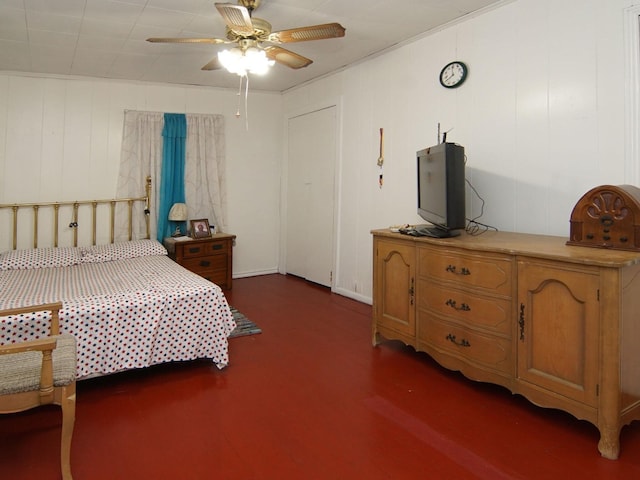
106	38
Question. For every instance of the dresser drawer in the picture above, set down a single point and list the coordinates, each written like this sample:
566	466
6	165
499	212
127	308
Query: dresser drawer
469	308
201	264
489	272
219	277
491	351
211	257
204	248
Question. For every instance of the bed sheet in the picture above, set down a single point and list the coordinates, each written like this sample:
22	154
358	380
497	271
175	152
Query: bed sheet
125	314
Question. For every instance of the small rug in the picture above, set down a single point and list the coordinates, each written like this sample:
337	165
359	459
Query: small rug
244	325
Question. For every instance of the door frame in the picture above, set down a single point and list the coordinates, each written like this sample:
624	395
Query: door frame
336	103
632	96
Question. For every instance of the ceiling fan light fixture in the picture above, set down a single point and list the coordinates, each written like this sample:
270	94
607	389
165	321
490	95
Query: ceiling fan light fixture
243	61
249	33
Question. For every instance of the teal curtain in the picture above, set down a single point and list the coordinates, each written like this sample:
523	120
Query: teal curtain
174	136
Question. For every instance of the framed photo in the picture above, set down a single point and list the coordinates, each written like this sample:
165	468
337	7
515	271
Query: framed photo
200	228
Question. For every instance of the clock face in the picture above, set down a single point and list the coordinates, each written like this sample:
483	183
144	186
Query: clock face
453	75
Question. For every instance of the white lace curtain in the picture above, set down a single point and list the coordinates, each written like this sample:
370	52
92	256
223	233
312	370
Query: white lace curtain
205	176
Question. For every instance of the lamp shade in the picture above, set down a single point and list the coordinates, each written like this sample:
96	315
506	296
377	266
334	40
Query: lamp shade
178	212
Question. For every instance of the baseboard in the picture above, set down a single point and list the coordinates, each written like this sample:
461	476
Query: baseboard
340	291
353	295
254	273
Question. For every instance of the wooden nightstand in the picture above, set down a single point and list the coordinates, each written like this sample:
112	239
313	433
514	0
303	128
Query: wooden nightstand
210	257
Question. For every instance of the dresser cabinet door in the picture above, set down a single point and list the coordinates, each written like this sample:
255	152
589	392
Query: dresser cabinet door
394	284
558	330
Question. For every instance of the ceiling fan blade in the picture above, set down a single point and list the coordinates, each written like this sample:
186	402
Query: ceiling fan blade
214	64
212	41
304	34
287	57
236	17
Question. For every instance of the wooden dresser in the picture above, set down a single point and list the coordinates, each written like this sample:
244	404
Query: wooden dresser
557	324
210	257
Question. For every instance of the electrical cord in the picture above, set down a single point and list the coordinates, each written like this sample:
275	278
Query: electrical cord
474	227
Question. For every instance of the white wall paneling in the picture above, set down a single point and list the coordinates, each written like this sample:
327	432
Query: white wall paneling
632	93
550	110
61	138
541	116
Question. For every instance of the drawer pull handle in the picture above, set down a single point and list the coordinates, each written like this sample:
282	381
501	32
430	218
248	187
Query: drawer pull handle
462	343
521	322
205	263
463	306
412	290
194	249
217	246
453	269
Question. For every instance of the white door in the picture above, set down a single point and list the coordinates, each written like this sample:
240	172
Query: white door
310	195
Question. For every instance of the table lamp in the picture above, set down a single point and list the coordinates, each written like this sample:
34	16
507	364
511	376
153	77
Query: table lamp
178	213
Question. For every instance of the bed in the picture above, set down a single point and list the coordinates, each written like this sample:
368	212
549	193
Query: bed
127	303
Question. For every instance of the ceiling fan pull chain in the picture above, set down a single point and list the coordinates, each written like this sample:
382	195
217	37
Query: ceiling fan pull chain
246	103
244	78
239	97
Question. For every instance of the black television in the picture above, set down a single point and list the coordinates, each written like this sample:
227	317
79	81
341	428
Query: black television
441	190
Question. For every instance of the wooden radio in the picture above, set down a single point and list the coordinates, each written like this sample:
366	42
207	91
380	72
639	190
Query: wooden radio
607	217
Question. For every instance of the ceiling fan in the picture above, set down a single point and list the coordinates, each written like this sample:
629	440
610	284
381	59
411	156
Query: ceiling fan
249	33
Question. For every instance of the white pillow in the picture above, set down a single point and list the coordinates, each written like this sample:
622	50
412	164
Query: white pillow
121	250
96	254
39	258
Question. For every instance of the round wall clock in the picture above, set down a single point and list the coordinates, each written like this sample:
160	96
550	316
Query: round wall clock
453	74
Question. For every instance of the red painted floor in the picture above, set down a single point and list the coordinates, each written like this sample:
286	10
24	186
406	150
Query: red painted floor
309	398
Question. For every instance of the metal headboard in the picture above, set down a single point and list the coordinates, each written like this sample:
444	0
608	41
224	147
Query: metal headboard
76	206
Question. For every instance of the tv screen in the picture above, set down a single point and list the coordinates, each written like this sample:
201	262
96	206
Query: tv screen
441	190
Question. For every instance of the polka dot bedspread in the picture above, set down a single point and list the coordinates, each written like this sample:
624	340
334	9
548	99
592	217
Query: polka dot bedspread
125	313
